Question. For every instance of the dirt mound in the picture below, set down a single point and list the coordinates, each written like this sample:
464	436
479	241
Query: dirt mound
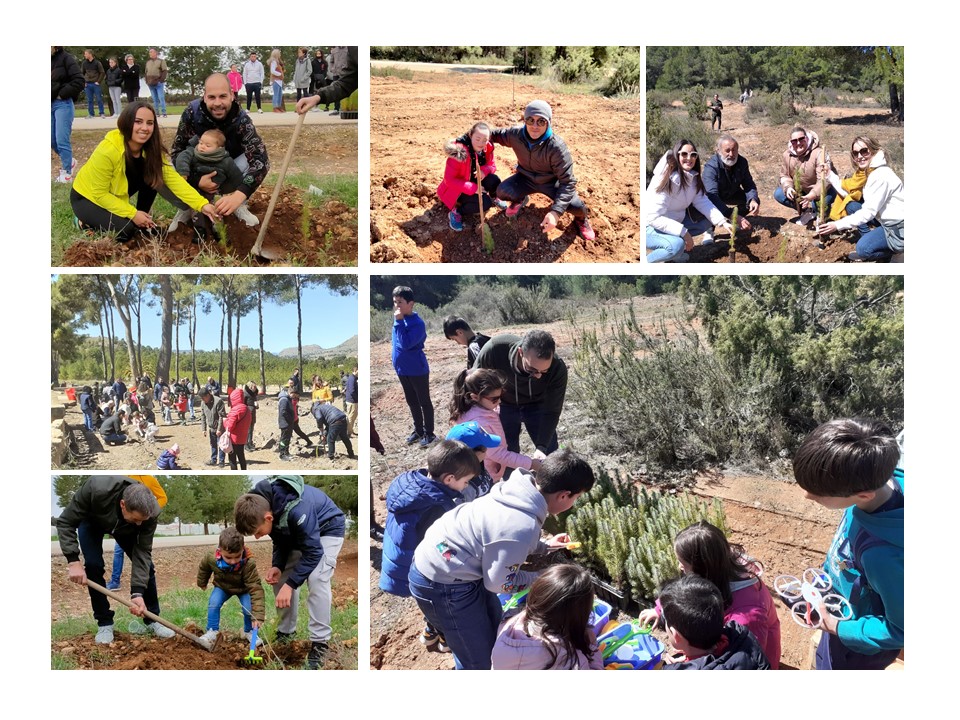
302	235
409	224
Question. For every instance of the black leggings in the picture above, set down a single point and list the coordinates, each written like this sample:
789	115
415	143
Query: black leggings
468	204
236	457
92	215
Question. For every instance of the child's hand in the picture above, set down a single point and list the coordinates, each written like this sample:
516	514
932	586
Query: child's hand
557	542
827	621
255	624
283	597
648	617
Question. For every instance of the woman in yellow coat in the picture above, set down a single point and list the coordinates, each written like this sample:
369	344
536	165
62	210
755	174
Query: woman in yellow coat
130	160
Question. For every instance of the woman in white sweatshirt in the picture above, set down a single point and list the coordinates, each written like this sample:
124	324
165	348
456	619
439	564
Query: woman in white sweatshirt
882	202
675	186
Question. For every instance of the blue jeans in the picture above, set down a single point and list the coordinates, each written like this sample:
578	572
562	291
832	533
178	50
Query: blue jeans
216	454
61	124
92	90
159	101
466	614
88	420
665	246
217	598
834	655
781	198
851	208
872	245
277	94
117	567
118	438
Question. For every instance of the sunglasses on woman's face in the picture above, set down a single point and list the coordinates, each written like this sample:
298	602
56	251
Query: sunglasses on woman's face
685	155
862	152
538	121
798	141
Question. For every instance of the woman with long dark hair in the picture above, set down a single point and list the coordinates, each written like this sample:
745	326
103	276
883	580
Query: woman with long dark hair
130	160
675	186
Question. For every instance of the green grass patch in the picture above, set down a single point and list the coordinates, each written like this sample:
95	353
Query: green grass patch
335	187
392	71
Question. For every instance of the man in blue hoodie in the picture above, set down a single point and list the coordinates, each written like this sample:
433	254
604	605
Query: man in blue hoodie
410	363
544	166
850	464
307	530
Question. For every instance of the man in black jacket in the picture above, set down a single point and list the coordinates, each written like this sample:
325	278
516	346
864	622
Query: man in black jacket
544	166
333	425
536	385
126	509
66	84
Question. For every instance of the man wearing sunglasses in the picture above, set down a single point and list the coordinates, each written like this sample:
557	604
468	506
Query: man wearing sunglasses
803	155
544	166
536	384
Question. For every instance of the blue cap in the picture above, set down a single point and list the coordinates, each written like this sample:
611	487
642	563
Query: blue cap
472	435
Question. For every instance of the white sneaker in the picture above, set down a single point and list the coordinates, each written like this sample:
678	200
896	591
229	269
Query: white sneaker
161	631
64	177
707	238
104	635
260	110
182	216
209	639
243	213
248	635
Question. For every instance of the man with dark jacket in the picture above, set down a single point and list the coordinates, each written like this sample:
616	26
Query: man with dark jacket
218	109
66	84
93	75
212	415
727	181
250	394
319	72
544	166
332	423
692	609
111	430
351	400
343	80
410	364
286	420
307	530
536	385
127	510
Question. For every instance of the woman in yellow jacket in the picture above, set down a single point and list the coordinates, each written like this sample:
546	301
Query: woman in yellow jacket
129	161
321	391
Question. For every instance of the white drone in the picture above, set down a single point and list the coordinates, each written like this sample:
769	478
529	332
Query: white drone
808	594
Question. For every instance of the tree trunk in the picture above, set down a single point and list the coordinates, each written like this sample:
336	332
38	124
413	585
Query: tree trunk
54	368
120	303
263	373
299	286
139	328
176	361
103	346
193	341
236	344
223	319
231	378
166	327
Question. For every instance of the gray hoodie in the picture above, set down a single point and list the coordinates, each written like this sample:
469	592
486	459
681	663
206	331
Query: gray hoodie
487	539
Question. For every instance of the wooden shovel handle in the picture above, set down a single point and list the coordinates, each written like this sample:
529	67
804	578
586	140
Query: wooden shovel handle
156	618
276	188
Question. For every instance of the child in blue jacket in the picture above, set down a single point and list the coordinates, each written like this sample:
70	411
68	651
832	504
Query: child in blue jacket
415	500
410	364
850	464
307	530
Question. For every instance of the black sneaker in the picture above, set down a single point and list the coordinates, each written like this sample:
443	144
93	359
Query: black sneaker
282	638
413	437
316	656
853	257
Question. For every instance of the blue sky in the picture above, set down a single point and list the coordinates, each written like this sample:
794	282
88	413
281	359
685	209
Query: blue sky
328	320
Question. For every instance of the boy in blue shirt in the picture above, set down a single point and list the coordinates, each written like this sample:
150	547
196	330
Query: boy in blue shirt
307	529
851	465
410	364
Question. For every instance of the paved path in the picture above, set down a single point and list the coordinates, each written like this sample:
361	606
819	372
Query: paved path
83	122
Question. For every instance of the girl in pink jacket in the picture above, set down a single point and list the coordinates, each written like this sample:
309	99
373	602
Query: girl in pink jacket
702	549
476	396
458	190
551	632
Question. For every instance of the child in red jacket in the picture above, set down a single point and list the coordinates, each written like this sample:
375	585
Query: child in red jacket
458	191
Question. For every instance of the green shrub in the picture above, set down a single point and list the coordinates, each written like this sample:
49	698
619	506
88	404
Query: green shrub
695	101
775	109
664	130
576	65
627	533
526	306
625	79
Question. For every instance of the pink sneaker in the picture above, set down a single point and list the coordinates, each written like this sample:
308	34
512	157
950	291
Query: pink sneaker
515	208
585	229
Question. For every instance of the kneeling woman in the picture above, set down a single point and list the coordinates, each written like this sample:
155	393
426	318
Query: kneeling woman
129	161
882	202
675	186
458	191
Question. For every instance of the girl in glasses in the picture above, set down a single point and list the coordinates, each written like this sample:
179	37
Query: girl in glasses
458	191
882	201
476	396
675	187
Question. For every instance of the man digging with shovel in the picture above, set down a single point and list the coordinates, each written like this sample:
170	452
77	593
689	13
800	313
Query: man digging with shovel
127	510
544	166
